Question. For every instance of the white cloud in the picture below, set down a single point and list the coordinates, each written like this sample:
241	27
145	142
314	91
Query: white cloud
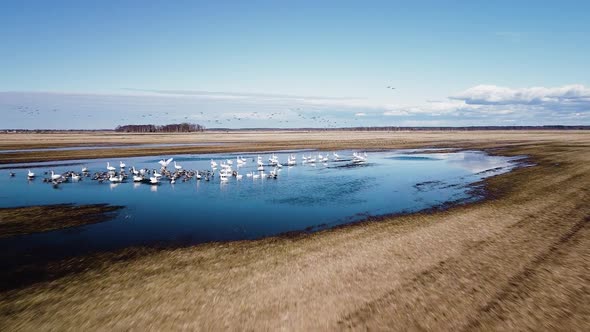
567	95
433	108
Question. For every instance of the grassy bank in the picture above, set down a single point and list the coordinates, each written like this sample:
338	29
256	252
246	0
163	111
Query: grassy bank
518	260
44	218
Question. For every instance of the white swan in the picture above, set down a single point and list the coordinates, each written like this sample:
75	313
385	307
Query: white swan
178	167
135	172
137	178
292	161
122	164
109	167
30	174
55	176
84	169
154	180
223	176
358	158
116	179
75	177
165	163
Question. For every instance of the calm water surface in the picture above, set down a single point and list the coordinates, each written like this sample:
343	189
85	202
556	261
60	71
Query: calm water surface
304	197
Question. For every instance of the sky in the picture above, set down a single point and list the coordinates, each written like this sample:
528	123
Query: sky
247	64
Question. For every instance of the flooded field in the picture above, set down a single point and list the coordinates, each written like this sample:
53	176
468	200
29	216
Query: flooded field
308	196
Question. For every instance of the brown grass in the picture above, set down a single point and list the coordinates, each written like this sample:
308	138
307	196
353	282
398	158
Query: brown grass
516	261
254	141
44	218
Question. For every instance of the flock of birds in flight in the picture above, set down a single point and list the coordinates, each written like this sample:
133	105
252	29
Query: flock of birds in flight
304	115
223	170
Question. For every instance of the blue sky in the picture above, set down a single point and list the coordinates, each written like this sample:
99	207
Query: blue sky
82	64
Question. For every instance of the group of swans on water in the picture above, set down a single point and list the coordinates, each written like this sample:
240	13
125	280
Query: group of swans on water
225	170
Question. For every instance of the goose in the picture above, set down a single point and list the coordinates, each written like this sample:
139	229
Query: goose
30	175
109	167
122	164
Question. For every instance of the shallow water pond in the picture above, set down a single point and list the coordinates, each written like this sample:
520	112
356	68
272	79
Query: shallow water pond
305	197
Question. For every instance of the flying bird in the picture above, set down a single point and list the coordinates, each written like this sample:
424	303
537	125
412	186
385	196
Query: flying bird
165	163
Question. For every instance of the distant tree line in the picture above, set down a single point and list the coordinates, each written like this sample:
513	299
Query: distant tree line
169	128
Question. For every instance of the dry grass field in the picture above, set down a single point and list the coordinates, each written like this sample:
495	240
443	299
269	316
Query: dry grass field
519	260
35	219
